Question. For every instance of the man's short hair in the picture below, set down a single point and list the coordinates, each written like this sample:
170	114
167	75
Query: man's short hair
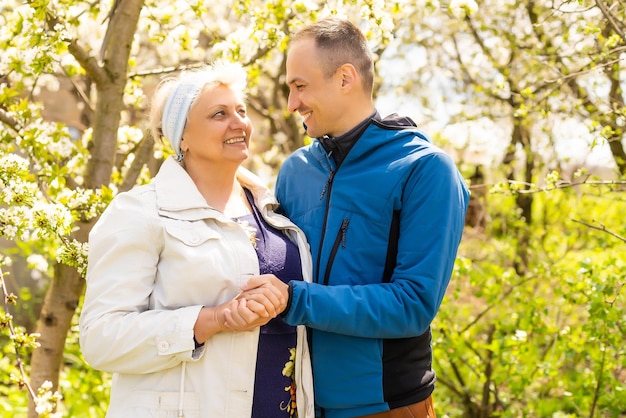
340	42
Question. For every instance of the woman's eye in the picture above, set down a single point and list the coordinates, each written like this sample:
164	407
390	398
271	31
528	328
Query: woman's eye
219	113
242	112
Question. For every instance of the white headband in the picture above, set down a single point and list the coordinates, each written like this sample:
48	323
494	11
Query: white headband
177	108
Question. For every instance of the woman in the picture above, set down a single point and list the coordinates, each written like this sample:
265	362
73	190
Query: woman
167	261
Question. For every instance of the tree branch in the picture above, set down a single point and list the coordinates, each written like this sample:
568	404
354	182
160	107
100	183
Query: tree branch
165	70
601	227
615	25
84	58
557	185
12	332
9	120
87	61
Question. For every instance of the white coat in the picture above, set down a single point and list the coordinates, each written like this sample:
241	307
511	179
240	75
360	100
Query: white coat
156	256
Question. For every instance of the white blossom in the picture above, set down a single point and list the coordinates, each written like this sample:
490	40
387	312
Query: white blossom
53	217
37	262
520	335
462	8
46	400
5	260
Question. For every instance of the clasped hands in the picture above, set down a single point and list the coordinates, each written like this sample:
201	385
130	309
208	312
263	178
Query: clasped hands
261	299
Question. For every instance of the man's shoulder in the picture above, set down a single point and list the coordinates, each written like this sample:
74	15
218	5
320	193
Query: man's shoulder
395	122
304	154
402	128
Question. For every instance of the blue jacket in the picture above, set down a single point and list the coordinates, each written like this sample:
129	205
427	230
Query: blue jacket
370	334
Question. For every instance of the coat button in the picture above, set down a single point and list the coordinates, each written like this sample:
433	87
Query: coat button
194	239
163	346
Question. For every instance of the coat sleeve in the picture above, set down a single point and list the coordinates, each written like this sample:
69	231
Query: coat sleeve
119	329
432	217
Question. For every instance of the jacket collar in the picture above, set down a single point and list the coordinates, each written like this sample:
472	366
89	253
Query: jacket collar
340	146
178	197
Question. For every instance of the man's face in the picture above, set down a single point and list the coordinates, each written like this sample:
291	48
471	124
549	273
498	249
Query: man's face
317	98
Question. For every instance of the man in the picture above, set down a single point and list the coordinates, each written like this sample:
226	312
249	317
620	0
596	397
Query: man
383	210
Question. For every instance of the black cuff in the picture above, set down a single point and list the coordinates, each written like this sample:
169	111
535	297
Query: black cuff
290	291
197	344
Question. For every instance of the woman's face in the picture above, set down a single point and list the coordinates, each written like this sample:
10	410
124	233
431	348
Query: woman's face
218	129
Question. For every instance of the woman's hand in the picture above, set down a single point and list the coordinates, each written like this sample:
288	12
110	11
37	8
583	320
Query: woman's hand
261	299
233	316
265	293
239	316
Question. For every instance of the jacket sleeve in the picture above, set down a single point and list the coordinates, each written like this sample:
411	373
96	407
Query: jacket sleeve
432	217
119	330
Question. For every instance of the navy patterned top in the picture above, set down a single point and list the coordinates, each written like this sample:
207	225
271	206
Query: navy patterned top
274	390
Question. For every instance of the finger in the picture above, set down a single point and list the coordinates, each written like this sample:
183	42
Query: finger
261	307
234	320
249	318
228	320
270	301
277	287
272	291
245	319
254	282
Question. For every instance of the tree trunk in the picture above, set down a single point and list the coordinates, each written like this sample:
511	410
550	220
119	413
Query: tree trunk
66	287
524	201
476	216
55	318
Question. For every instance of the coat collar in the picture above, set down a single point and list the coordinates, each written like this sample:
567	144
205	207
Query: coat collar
178	197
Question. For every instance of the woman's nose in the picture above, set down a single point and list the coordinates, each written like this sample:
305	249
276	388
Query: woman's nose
240	121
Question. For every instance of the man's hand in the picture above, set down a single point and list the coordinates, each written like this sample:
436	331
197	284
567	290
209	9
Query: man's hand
267	291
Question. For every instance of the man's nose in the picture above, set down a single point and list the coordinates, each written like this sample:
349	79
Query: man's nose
293	102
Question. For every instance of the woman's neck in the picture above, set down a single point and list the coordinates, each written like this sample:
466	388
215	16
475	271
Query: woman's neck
220	189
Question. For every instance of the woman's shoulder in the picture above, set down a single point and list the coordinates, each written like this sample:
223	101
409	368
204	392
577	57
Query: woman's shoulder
130	208
139	198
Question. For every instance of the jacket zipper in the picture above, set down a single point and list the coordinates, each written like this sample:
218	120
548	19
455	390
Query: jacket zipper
340	239
325	191
341	236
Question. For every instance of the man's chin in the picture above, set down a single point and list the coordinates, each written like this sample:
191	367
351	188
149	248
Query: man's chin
312	132
309	131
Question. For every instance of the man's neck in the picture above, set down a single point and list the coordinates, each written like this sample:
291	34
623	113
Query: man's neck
355	119
340	146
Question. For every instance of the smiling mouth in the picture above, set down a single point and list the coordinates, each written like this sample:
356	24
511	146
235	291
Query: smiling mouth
235	141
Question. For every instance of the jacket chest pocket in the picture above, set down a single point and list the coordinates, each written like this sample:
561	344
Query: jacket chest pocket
191	251
192	234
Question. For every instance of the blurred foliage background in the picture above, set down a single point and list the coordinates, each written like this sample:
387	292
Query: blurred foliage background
526	95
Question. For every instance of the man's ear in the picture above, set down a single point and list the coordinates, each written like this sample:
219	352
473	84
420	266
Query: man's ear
349	76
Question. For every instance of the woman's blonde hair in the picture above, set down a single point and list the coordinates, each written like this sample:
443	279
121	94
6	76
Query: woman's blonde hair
174	96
